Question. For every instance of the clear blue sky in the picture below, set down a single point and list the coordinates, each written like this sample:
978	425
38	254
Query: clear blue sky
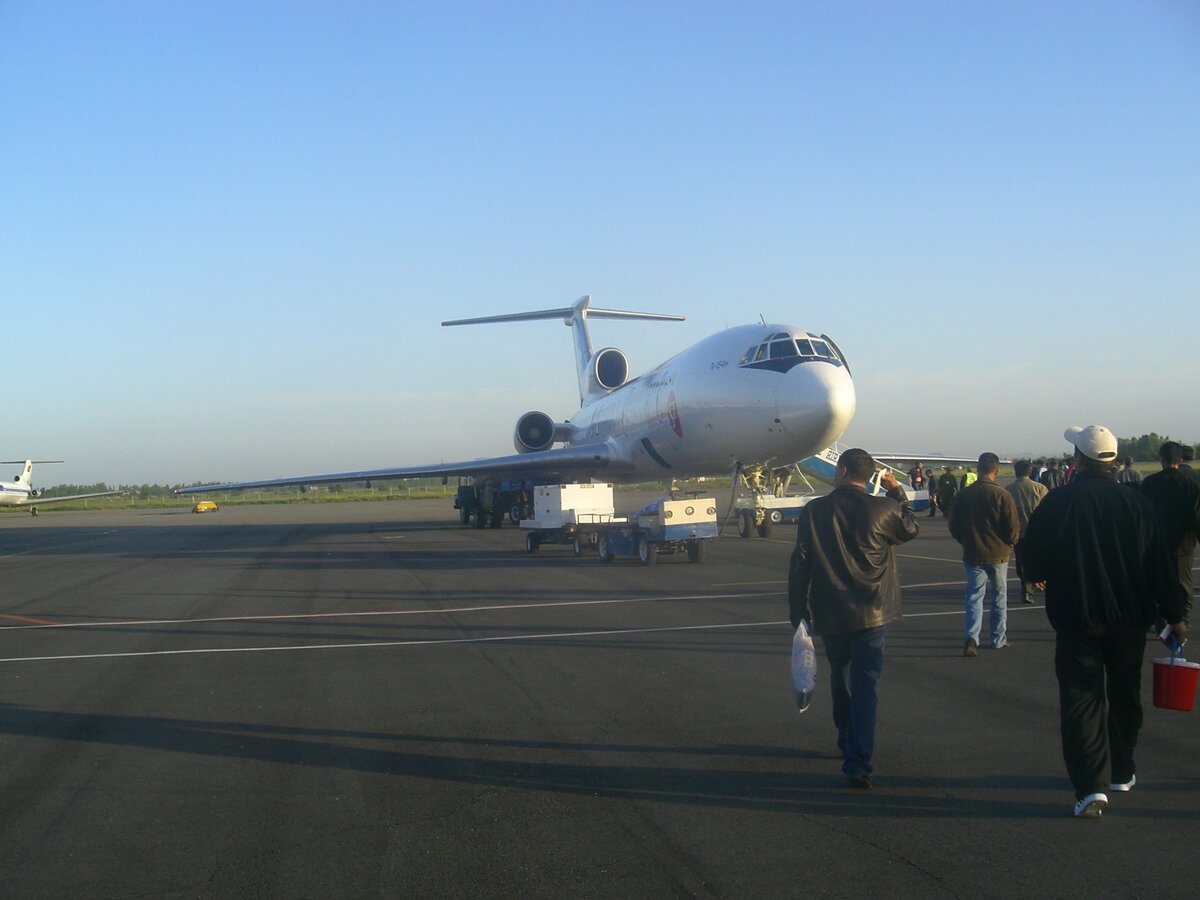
229	231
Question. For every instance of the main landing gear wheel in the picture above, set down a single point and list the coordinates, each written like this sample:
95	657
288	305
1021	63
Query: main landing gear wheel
647	552
764	530
604	546
577	546
464	515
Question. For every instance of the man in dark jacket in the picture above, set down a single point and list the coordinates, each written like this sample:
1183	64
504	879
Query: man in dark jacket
1026	494
1051	476
1177	499
947	490
985	522
843	579
1100	551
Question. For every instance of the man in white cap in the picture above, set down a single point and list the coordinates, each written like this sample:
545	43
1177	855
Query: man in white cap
1101	552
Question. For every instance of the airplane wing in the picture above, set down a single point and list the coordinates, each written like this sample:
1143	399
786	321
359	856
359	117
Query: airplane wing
41	501
936	458
576	460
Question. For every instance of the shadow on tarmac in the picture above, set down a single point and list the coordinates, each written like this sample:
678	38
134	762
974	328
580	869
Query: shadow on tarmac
291	546
727	787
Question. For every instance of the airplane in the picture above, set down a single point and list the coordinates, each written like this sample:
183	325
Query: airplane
20	491
743	401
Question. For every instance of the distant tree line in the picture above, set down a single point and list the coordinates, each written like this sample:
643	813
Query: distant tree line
1144	448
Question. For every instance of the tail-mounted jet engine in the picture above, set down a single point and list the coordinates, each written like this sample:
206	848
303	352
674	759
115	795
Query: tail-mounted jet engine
608	369
537	431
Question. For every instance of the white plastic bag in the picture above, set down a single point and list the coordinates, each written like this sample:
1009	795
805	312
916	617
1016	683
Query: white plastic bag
804	667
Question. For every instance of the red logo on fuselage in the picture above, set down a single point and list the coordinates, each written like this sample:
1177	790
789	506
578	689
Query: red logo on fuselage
673	415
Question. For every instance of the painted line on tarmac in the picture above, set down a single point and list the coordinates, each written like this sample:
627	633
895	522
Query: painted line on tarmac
43	625
42	622
433	643
958	612
378	644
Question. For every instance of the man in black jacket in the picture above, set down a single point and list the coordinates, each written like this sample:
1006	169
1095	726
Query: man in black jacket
1101	553
947	489
1176	496
843	580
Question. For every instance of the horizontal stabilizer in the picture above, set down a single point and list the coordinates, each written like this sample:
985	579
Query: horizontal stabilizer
576	317
567	314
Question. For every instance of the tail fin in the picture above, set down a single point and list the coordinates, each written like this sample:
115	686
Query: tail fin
576	317
26	476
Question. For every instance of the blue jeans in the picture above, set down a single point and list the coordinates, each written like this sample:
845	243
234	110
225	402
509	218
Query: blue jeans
978	580
855	667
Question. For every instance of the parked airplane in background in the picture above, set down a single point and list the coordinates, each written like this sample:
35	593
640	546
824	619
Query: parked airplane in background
20	491
743	401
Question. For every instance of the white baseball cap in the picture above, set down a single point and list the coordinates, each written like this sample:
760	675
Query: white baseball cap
1094	442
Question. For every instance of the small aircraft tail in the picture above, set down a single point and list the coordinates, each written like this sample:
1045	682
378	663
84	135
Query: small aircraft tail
600	372
25	479
823	467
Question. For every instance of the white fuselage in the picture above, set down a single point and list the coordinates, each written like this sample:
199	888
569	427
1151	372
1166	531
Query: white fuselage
12	494
706	410
18	492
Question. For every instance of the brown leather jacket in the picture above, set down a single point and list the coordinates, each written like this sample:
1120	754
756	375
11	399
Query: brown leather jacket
843	571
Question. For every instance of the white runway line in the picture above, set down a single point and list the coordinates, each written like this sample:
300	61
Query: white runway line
377	644
444	641
387	612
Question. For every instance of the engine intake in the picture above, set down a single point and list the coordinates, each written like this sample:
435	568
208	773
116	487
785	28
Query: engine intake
610	368
535	431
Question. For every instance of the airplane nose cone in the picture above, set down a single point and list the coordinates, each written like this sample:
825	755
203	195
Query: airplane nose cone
816	404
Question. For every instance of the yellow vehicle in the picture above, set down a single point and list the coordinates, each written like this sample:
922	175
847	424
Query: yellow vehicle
205	506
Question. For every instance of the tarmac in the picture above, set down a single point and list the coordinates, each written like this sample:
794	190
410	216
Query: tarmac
369	699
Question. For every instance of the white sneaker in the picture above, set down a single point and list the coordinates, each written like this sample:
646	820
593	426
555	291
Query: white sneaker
1091	806
1124	785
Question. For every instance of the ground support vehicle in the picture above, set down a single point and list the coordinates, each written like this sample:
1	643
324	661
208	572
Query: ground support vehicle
483	507
660	528
560	511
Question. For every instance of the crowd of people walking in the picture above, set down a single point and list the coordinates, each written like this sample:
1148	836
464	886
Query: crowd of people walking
1111	550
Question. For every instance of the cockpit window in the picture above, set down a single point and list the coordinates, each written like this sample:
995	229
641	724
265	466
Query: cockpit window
822	349
782	349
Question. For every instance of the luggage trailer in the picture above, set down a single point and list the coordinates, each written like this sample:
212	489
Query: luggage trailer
581	516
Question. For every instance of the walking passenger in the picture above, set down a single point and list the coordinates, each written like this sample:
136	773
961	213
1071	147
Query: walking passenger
1026	494
947	488
985	522
1101	552
843	579
1127	474
1176	497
